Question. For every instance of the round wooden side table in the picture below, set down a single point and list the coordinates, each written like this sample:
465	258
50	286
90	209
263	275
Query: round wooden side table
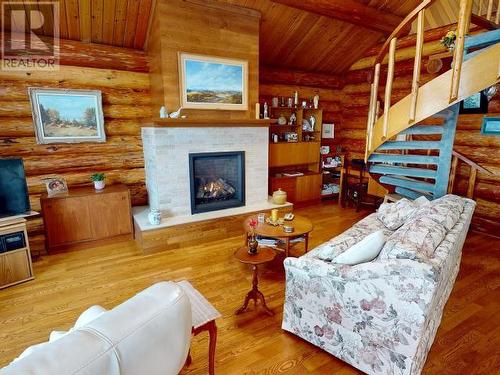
302	226
263	255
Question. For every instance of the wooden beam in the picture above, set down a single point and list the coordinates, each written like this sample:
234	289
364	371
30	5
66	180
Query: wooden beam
349	11
483	22
300	78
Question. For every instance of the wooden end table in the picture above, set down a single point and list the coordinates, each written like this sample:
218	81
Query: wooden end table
263	255
203	316
302	227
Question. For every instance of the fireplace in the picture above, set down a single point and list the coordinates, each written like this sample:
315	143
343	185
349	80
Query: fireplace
217	181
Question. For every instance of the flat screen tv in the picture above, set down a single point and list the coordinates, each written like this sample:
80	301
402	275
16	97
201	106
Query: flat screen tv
14	199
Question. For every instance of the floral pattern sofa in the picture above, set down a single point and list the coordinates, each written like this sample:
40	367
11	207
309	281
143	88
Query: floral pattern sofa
381	317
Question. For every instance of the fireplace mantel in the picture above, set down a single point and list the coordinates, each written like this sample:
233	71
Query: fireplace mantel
204	123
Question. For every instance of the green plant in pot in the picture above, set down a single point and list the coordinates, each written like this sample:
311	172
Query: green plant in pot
98	179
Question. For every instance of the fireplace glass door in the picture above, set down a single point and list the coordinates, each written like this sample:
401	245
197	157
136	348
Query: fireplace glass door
217	181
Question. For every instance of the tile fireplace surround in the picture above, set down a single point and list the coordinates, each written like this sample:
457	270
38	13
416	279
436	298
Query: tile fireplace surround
166	154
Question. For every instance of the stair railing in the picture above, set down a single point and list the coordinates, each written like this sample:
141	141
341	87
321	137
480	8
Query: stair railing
486	8
390	47
474	169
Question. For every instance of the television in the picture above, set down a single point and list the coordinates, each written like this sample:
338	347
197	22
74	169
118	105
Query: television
14	199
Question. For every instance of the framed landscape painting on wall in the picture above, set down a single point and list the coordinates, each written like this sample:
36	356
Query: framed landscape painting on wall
67	116
208	82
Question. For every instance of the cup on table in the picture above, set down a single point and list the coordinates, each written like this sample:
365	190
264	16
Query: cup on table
261	218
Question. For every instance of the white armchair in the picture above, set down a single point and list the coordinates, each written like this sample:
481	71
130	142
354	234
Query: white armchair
148	334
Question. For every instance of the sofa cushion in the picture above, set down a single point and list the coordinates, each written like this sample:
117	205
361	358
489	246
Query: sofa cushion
337	245
416	239
394	215
364	251
445	210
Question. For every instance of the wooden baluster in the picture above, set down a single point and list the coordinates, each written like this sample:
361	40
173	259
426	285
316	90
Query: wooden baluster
453	173
375	103
472	183
369	122
417	66
490	10
388	85
458	58
497	18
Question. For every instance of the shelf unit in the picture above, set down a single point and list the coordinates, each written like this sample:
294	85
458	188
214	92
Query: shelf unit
15	256
335	175
302	156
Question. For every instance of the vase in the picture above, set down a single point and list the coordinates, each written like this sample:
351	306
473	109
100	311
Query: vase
252	245
99	185
154	216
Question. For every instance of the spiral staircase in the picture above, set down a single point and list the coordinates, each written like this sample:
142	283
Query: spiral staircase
409	147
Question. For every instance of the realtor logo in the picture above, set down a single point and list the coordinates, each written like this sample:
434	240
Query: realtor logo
30	35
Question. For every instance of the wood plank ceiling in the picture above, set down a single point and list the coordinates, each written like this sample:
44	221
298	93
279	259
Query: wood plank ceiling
122	23
290	37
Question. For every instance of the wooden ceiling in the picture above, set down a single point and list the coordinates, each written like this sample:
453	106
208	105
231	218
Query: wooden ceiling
290	37
122	23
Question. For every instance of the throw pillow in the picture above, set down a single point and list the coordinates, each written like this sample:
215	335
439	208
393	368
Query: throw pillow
394	215
445	210
364	251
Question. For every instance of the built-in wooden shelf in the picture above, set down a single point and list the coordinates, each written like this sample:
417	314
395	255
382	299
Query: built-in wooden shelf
208	123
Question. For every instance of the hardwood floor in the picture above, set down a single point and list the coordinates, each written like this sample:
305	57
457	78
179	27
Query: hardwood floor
252	343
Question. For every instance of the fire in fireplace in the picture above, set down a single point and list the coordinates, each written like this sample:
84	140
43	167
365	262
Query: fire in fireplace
217	181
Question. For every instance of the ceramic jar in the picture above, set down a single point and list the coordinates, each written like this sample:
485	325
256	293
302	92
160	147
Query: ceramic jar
279	197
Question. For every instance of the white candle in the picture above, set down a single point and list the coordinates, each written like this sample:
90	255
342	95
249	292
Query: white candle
257	111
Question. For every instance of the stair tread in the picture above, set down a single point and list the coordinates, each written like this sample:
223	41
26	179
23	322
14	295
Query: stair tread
410	145
483	39
403	171
445	113
409	159
412	194
423	129
407	182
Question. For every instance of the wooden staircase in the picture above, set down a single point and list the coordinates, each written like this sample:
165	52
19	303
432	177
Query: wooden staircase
409	147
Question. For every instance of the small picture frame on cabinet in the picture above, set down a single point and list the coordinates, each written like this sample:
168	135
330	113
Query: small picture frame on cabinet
56	186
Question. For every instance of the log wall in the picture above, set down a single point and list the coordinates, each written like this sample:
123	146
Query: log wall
484	150
122	76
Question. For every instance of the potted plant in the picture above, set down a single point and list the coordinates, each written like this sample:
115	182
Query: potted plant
98	179
449	40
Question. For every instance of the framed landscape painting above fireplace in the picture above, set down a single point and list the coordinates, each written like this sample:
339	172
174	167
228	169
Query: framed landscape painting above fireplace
208	82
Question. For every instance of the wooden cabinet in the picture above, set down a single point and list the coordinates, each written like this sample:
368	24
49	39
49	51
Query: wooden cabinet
299	189
85	215
15	256
308	188
288	154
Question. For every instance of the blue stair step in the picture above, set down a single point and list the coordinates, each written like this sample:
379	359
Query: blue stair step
403	171
412	194
407	183
483	39
404	159
410	145
445	113
423	129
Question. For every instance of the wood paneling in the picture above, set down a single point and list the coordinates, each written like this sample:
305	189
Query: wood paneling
285	154
482	149
126	101
215	31
251	343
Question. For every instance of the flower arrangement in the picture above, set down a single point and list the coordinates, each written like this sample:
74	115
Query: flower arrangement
449	39
252	241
